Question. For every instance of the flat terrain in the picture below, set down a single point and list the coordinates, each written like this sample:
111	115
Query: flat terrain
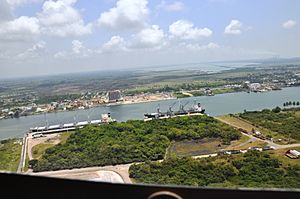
10	153
280	155
241	123
236	122
196	147
283	125
38	146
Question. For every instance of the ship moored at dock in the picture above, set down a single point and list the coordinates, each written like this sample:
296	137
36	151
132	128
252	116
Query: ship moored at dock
196	109
57	128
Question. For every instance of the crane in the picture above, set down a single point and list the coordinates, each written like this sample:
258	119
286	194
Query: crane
170	112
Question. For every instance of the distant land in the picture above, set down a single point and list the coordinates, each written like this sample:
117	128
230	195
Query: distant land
203	66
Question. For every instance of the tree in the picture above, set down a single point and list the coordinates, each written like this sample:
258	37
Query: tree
298	103
284	104
276	110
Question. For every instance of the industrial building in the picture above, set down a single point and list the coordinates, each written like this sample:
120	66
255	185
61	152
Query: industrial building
114	96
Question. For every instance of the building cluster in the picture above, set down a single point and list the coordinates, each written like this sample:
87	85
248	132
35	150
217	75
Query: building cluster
147	97
262	87
85	101
233	152
230	152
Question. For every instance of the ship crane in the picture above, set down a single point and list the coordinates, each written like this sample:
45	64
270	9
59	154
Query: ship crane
158	109
170	112
181	108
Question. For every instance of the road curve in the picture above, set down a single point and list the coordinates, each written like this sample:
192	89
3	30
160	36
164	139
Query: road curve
108	176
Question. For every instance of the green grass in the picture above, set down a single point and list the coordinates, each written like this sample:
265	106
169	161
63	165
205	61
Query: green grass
10	154
235	144
26	167
180	95
280	155
64	136
39	149
196	147
281	124
238	122
223	90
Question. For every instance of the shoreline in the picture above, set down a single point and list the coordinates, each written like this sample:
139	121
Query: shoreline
213	104
100	105
130	102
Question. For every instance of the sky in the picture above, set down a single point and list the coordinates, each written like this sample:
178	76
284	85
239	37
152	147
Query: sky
40	37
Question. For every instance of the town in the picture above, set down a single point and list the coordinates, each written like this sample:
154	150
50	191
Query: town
117	97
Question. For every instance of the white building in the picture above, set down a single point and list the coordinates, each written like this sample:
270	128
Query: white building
295	153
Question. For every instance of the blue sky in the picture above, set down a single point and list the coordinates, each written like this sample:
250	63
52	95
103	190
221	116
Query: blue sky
62	36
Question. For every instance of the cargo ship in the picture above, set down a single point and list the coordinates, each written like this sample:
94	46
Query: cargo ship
196	109
105	118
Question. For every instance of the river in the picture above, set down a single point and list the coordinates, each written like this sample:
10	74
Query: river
214	105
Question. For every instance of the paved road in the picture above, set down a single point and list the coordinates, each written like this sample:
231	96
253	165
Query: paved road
106	173
270	143
108	176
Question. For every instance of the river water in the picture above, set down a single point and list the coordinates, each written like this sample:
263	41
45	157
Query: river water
214	105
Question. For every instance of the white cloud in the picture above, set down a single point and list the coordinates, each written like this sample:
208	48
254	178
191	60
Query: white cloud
15	3
233	28
5	11
21	28
152	37
60	18
185	30
115	44
36	50
127	14
77	46
289	24
172	7
196	47
60	55
79	49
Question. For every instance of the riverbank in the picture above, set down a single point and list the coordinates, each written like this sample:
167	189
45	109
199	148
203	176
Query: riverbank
217	105
147	99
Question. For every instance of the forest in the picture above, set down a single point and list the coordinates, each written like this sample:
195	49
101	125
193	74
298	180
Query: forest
285	122
252	169
131	141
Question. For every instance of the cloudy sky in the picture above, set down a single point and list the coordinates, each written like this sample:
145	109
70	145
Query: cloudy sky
59	36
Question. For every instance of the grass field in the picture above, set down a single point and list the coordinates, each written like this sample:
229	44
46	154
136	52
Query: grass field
256	143
235	144
236	122
241	123
39	149
196	147
10	151
280	155
64	136
26	166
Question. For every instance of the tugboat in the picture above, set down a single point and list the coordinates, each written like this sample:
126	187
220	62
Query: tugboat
197	109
